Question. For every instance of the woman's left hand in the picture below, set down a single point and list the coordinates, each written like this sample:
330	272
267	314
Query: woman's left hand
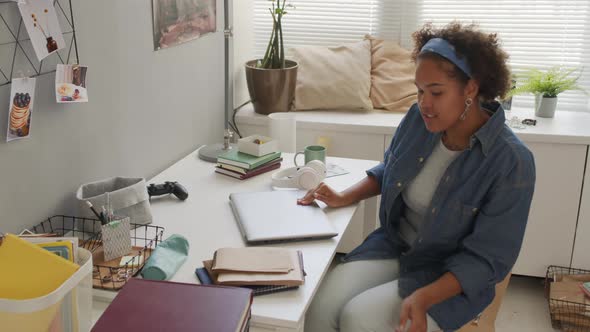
414	308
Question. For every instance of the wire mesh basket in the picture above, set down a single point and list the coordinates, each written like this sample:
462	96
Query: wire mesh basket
569	312
111	275
66	226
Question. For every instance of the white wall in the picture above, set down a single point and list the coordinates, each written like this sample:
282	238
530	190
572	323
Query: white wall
243	47
147	109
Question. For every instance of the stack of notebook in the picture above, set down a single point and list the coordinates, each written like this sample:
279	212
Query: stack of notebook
149	305
264	270
242	166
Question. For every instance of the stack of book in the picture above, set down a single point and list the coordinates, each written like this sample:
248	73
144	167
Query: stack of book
264	270
242	166
150	305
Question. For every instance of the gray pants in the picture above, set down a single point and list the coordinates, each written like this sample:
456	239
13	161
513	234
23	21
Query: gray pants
358	296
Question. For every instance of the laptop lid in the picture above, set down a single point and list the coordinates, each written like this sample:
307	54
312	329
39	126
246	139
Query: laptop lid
274	216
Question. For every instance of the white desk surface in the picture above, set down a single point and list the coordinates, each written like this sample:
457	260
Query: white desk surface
206	220
565	127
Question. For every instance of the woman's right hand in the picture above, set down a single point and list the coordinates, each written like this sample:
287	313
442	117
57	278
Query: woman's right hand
326	194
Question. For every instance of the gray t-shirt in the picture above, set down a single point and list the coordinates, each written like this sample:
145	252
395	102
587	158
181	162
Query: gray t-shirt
419	192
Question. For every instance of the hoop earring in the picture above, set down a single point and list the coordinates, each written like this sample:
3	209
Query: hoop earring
468	103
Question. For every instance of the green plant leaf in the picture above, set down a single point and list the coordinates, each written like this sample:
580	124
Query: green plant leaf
274	56
549	83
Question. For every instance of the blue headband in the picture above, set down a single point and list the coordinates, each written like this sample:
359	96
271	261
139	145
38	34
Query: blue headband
447	51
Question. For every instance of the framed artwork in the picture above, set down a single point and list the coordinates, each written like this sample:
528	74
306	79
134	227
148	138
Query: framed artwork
178	21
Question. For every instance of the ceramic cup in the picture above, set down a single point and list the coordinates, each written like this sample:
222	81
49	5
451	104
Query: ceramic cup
312	152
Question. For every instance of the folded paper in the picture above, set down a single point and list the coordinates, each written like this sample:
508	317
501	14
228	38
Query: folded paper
253	259
250	276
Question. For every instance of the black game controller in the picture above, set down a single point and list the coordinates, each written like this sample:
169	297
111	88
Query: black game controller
168	188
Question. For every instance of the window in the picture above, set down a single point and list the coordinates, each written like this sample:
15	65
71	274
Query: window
536	33
313	22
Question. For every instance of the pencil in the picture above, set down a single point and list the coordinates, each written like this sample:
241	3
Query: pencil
95	213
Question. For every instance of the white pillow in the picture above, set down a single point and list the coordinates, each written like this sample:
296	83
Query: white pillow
333	77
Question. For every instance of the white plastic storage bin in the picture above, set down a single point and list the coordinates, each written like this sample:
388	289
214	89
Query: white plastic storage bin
66	309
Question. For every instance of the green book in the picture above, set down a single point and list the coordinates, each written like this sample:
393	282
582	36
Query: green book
246	161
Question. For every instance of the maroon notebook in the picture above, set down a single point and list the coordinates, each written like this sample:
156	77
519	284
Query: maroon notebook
148	305
250	174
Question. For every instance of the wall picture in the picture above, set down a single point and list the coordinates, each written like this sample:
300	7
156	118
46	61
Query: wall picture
22	96
70	84
43	27
178	21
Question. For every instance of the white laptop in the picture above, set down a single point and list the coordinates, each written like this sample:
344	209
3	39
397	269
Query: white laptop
274	216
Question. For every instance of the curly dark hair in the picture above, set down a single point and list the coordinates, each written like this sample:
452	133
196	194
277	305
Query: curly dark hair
483	52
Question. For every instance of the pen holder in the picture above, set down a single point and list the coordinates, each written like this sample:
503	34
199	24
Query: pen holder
116	238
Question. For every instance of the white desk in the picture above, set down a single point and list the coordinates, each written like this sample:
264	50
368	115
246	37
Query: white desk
206	220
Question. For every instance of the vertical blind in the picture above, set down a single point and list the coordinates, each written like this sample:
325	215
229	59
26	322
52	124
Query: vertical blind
536	33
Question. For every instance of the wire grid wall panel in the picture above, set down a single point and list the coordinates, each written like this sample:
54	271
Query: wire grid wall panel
17	56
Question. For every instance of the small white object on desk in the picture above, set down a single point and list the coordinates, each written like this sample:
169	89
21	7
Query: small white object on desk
257	145
334	170
131	261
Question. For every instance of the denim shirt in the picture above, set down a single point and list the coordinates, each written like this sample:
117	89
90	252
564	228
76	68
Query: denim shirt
476	219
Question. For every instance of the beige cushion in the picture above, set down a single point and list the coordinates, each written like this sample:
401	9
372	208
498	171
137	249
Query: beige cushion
333	77
392	76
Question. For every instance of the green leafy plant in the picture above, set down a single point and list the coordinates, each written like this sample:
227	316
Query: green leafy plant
549	83
274	57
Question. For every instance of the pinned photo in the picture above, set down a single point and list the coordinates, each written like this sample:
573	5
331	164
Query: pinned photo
70	84
21	108
43	26
178	21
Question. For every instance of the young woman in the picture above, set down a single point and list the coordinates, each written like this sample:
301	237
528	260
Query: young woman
456	186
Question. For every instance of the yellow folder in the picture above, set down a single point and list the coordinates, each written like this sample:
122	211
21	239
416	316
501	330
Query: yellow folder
29	271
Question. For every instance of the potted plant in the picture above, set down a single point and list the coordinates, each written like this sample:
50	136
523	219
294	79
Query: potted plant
271	80
546	85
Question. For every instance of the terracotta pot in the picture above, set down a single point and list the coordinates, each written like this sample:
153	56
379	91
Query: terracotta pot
271	90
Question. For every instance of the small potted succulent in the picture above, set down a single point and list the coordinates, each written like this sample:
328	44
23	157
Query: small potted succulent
546	85
271	80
